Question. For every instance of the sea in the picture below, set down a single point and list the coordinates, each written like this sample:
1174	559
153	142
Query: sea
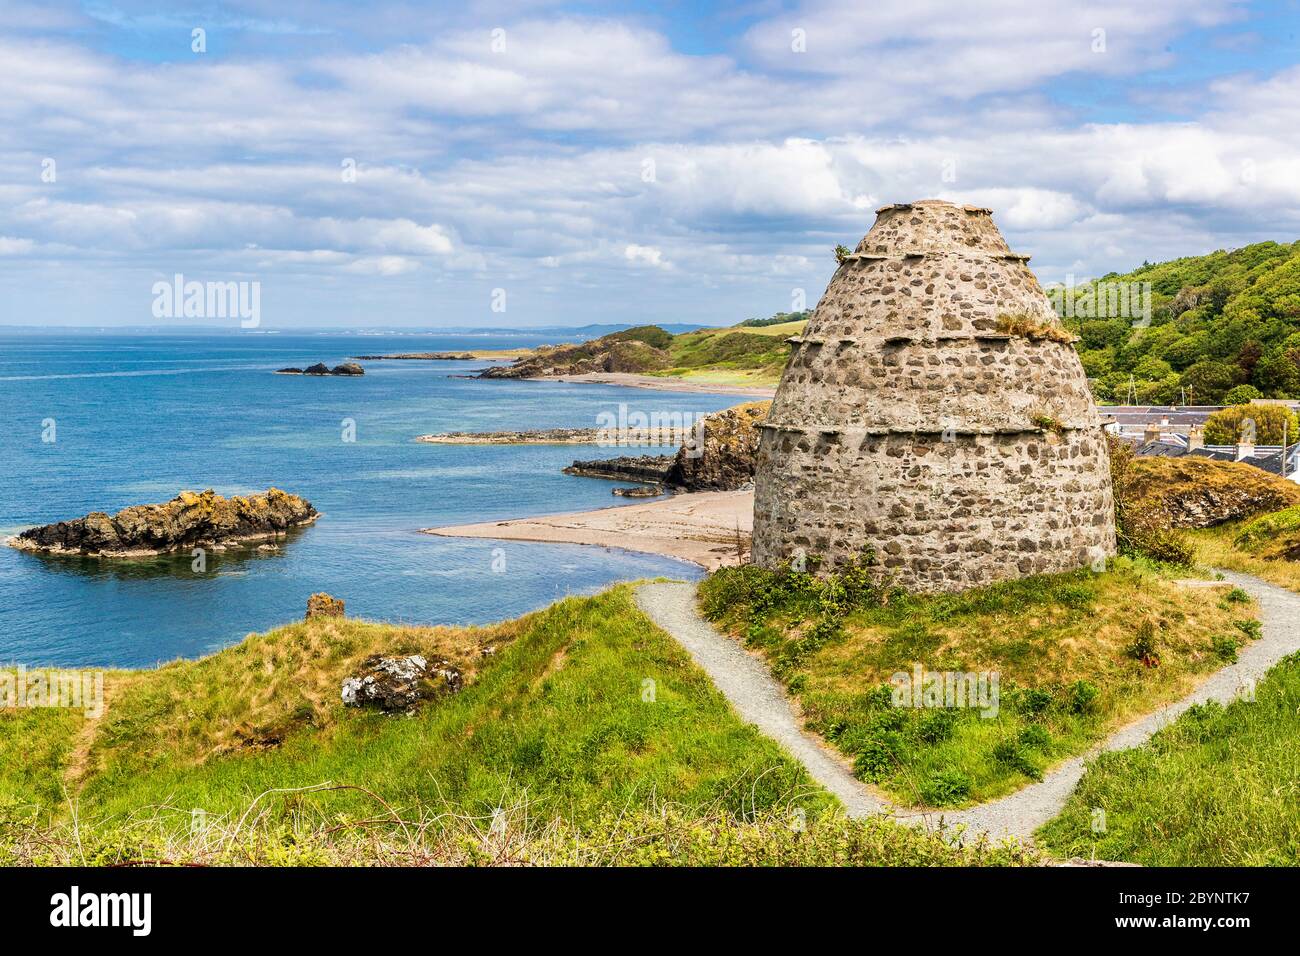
99	420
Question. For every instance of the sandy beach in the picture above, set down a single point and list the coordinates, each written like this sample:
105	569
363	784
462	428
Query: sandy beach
700	527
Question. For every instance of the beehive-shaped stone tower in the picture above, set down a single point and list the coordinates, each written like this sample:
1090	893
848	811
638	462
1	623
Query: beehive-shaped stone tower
934	414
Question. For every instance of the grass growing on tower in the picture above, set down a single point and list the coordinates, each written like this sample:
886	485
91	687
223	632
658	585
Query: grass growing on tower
1077	656
1219	787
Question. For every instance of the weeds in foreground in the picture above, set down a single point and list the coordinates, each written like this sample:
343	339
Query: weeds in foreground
295	828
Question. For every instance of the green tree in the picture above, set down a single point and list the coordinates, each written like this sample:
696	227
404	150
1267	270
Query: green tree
1209	381
1229	426
1241	395
1278	376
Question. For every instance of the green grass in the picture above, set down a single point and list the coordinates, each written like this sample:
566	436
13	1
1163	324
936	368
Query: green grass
1063	647
558	719
587	736
758	352
34	747
1219	787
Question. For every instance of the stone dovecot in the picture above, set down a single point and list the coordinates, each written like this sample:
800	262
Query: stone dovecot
934	414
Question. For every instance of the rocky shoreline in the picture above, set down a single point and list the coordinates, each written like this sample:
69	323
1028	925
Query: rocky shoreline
320	368
651	469
418	357
190	520
721	456
556	436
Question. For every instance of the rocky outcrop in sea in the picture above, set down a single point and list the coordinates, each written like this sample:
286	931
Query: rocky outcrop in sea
723	453
647	468
191	519
320	368
720	456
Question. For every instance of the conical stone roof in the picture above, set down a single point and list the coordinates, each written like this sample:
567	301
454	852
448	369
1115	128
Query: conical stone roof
933	414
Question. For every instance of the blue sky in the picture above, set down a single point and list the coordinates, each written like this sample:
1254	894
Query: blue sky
614	162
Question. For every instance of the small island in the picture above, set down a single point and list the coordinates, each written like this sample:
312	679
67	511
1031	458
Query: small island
320	368
191	519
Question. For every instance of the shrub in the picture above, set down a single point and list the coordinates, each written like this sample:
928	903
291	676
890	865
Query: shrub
1237	596
1143	647
1251	628
881	755
1082	697
1035	737
936	726
1031	701
842	252
1241	395
1226	646
946	787
1011	753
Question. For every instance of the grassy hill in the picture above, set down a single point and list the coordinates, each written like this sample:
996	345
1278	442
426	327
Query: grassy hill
1079	655
744	354
1218	322
585	735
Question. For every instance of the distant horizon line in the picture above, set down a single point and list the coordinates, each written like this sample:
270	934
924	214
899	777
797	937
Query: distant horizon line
358	330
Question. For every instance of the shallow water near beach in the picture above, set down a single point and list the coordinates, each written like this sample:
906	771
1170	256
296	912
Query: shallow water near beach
137	418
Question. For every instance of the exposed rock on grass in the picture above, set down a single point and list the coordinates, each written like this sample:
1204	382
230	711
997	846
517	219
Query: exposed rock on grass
191	519
632	351
395	684
1200	493
557	436
650	349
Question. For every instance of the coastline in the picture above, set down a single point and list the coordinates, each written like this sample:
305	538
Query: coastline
656	382
700	527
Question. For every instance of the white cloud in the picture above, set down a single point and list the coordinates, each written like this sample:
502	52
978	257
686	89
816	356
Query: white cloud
15	247
647	255
528	166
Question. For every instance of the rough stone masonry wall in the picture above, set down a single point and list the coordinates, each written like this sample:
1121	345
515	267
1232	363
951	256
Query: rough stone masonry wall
907	424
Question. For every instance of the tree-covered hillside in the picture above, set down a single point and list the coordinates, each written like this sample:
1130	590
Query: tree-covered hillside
1223	326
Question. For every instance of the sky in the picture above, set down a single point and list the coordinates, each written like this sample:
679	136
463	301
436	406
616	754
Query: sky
506	165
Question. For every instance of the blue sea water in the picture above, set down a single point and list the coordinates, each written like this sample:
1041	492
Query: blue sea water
139	417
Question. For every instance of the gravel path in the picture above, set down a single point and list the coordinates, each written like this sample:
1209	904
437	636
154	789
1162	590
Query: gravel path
760	700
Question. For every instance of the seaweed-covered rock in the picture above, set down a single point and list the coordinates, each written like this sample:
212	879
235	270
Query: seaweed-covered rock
191	519
723	453
348	368
396	684
323	605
